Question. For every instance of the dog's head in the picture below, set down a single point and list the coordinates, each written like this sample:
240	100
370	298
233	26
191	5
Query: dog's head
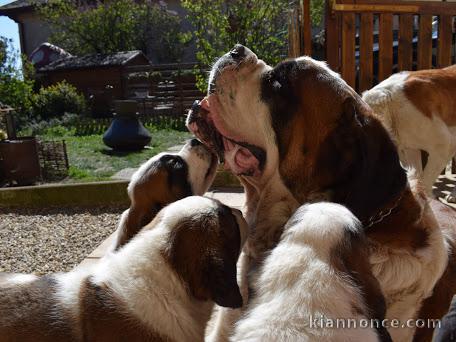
203	240
163	179
302	120
168	177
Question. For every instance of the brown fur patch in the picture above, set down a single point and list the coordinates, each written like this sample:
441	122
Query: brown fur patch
351	258
151	192
333	145
433	93
300	137
204	252
105	318
28	312
436	306
330	145
407	227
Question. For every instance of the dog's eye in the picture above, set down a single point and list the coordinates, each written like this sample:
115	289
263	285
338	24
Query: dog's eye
172	162
276	85
176	163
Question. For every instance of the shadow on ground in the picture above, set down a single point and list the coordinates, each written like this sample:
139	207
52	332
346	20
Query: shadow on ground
444	186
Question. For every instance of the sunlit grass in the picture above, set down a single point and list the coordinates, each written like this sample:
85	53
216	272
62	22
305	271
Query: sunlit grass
91	160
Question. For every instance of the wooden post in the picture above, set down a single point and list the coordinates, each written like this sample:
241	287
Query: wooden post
10	127
445	41
405	55
366	61
348	49
294	37
385	41
332	31
306	28
425	42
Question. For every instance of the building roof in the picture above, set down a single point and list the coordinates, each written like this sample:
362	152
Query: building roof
19	6
91	61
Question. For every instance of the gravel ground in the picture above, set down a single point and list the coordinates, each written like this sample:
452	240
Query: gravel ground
52	240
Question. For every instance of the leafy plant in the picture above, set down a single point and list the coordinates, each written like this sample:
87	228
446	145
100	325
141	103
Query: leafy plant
58	99
84	27
317	11
220	24
16	87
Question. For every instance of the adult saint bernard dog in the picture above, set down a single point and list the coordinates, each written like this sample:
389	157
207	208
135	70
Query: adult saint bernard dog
419	110
160	286
163	179
297	133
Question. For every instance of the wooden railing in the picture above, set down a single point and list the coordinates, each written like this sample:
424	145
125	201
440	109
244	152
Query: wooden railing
162	90
367	41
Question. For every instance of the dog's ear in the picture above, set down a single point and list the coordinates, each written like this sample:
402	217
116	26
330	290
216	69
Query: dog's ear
363	160
222	283
205	259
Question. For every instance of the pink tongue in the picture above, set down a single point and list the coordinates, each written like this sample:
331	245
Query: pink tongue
239	159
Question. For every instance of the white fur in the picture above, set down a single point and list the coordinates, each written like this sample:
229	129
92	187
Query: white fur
323	66
243	85
411	129
142	279
407	278
198	165
16	278
297	282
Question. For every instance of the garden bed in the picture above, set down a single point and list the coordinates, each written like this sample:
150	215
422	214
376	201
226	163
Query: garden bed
52	240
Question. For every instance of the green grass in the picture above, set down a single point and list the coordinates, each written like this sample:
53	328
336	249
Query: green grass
91	160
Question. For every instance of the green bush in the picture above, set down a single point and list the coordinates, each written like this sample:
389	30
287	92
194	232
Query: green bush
16	84
61	126
58	99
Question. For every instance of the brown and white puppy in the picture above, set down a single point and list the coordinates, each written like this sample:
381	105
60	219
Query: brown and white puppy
164	179
160	286
297	133
313	285
419	110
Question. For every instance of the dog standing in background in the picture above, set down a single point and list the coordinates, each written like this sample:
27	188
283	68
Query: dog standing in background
419	110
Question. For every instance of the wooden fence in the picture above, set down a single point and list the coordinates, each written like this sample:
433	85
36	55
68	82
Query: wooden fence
367	40
89	126
162	90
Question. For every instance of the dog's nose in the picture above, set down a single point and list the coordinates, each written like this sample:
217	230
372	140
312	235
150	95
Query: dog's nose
238	52
195	142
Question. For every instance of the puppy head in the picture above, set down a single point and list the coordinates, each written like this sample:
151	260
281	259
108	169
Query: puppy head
163	179
203	243
201	164
168	177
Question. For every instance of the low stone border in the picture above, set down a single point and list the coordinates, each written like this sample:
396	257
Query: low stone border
94	193
78	194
